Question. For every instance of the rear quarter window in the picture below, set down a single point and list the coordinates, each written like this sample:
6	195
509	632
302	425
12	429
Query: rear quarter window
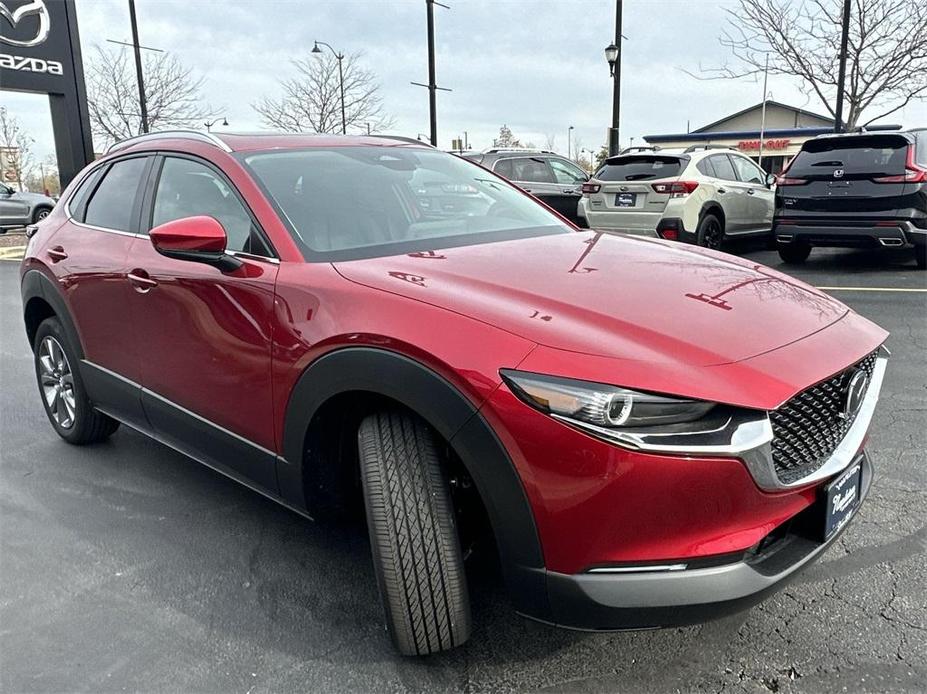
639	168
860	155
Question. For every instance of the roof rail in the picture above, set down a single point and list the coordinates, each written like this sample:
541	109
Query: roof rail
532	150
640	148
403	138
170	135
696	148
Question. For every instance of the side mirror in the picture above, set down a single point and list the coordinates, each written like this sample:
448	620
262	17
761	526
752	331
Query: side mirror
770	180
197	239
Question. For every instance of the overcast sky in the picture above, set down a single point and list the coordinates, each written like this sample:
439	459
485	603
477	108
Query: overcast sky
535	65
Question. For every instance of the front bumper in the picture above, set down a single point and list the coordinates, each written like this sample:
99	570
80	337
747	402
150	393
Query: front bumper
642	599
846	234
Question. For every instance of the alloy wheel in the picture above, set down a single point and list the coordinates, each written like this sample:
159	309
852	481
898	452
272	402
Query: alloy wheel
41	214
57	382
713	234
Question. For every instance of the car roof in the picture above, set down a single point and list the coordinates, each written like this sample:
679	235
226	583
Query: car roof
244	141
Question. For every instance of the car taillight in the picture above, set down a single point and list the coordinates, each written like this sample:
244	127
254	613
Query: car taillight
679	189
786	181
912	172
589	188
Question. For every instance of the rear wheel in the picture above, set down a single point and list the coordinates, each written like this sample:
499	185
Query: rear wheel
40	214
795	253
413	537
920	255
63	395
710	232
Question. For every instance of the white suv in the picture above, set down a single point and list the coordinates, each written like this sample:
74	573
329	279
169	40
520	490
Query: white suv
702	195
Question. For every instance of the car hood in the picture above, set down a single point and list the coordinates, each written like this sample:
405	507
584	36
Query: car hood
612	295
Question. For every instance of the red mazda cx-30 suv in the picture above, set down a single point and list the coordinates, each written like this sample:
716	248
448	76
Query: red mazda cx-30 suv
653	433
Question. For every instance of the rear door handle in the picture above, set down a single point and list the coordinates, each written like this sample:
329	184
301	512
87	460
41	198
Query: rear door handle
57	253
721	191
750	191
141	281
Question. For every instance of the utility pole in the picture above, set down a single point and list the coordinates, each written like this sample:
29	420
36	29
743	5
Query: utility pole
841	76
432	85
763	117
142	101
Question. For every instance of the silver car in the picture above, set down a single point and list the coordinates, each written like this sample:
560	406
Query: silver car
19	209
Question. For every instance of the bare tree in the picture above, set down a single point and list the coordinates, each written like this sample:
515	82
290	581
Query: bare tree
311	101
886	54
44	177
551	141
17	148
171	91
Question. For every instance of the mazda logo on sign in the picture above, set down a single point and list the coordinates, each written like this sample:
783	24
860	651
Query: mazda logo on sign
838	173
854	394
23	15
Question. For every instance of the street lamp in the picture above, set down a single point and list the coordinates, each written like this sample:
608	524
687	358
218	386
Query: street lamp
339	57
611	55
211	123
569	142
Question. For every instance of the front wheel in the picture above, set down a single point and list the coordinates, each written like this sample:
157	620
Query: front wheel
63	396
413	536
794	253
710	232
40	214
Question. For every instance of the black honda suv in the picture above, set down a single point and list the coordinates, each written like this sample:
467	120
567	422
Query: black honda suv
864	189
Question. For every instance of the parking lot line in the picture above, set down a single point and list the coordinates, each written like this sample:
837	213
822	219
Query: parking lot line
12	253
874	289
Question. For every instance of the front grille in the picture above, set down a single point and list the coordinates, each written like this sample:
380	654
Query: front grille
808	428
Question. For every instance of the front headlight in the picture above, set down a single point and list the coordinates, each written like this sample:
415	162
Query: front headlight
602	406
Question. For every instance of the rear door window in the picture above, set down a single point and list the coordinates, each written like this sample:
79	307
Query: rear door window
113	203
529	170
858	155
723	168
639	168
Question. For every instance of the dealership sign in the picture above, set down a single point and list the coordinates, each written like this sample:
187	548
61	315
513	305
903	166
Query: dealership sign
40	53
750	145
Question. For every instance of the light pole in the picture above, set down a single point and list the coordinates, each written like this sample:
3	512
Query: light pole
211	123
569	142
339	57
613	56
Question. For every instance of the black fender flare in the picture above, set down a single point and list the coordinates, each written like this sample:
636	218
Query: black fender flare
711	206
35	284
457	420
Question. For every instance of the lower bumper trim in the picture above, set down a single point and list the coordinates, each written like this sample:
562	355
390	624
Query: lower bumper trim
640	600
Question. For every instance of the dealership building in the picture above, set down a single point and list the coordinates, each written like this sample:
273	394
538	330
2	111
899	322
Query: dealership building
786	129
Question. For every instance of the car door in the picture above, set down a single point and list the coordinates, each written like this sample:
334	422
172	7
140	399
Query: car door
13	211
204	335
531	174
760	198
87	255
732	194
569	179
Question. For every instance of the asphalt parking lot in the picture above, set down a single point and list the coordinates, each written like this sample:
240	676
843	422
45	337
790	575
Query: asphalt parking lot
126	566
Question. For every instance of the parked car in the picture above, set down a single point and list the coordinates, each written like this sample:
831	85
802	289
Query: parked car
17	209
702	195
861	190
647	433
551	178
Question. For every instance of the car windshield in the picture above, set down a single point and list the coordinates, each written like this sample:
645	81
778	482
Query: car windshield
639	168
344	203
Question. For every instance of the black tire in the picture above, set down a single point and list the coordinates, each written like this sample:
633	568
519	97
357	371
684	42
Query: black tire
794	253
710	232
920	256
413	536
40	214
87	425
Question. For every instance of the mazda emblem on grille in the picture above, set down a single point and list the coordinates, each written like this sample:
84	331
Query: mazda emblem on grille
855	391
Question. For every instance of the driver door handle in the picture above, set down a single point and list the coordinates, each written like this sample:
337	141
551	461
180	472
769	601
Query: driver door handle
140	281
721	191
750	191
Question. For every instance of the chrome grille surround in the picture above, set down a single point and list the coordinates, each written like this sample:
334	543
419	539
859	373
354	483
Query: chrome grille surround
808	428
